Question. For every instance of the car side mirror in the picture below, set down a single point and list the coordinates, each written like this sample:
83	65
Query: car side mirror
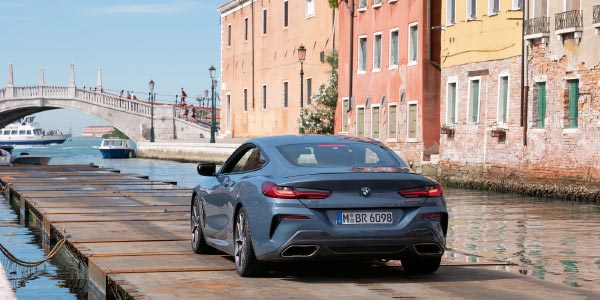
207	169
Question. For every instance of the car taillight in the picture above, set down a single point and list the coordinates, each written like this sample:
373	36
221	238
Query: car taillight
423	192
272	190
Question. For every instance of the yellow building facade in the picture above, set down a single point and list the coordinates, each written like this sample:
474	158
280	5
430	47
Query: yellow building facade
481	104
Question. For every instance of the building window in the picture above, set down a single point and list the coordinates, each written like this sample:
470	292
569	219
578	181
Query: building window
310	8
394	48
245	99
362	4
412	120
285	14
362	54
228	35
264	97
503	100
517	4
573	102
473	112
572	5
392	122
360	121
493	7
540	8
471	9
376	3
450	12
308	91
413	43
245	29
285	93
375	122
541	105
345	109
377	52
264	21
451	104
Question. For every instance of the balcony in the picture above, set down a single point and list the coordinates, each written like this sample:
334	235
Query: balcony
596	19
537	28
569	22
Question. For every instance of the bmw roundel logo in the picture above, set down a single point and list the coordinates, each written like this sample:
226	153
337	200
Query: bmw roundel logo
365	192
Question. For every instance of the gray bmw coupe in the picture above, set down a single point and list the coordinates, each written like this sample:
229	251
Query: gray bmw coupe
318	197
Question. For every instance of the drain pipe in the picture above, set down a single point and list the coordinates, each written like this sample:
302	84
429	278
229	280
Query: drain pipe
524	79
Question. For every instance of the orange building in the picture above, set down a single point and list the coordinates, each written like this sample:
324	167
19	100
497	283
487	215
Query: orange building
260	68
389	74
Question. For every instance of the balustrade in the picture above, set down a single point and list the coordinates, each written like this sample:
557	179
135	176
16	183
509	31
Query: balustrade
2	92
537	25
568	19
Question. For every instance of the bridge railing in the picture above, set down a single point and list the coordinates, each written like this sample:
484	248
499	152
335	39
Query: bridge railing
40	91
110	100
2	93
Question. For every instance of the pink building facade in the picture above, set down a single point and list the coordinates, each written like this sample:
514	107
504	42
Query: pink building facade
389	74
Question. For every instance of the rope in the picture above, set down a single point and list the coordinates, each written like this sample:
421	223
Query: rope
50	255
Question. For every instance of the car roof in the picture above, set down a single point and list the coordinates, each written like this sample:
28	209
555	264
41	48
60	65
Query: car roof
278	140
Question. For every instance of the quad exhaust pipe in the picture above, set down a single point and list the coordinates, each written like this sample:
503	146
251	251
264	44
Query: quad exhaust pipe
300	251
428	248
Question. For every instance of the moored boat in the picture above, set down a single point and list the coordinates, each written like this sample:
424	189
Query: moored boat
27	132
116	148
26	159
5	158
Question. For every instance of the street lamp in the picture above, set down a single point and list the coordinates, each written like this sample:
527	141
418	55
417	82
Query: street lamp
301	58
152	97
213	123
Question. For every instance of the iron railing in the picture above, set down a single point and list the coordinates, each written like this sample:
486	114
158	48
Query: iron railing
568	19
596	14
537	25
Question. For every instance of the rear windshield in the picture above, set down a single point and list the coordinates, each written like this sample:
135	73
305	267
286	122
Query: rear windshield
333	155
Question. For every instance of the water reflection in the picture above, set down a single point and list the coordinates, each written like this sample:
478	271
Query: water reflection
551	240
22	237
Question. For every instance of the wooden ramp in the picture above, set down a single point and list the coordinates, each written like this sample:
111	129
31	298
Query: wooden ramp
133	235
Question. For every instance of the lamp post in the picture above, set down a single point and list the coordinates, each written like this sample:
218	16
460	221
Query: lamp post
152	96
213	123
301	58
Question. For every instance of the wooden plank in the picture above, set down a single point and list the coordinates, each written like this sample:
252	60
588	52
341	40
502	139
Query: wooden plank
117	217
163	263
134	248
114	209
125	231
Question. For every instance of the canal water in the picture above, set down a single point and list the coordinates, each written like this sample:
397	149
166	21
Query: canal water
551	240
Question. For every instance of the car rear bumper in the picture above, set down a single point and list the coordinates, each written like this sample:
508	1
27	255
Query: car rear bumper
318	244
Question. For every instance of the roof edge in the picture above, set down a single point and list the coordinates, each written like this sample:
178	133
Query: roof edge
230	5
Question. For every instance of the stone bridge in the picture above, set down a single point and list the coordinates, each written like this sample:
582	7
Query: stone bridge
132	117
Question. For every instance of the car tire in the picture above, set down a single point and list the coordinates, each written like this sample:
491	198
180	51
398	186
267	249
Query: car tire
421	265
246	263
199	244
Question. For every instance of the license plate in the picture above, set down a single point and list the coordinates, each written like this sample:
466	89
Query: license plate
360	217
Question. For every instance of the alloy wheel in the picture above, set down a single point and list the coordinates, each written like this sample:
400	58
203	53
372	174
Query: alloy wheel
240	240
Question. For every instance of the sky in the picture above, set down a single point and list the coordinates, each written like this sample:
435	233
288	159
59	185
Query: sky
172	42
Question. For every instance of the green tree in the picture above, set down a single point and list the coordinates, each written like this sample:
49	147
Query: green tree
115	134
318	118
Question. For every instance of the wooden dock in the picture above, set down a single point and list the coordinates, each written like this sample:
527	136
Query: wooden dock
133	236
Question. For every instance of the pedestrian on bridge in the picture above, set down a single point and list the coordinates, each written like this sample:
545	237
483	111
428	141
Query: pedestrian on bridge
183	95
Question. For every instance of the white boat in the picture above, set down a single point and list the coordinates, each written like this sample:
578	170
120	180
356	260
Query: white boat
26	132
116	148
27	159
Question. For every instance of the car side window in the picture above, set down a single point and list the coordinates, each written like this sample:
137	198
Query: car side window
250	159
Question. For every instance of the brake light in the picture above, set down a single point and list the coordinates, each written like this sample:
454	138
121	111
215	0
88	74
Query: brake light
423	192
272	190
